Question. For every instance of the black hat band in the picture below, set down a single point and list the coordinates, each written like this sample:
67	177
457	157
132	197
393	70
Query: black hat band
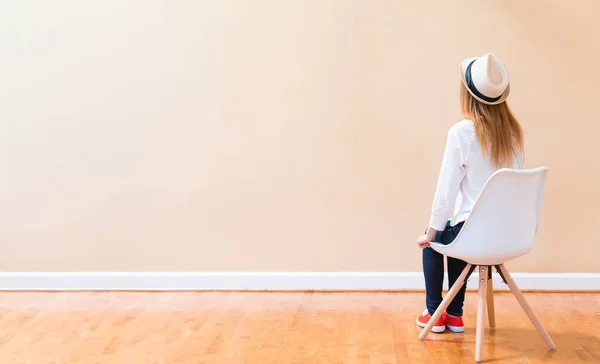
474	90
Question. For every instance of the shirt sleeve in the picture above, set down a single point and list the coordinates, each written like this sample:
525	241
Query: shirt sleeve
451	175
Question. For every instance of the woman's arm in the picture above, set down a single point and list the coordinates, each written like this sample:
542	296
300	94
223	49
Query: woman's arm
450	177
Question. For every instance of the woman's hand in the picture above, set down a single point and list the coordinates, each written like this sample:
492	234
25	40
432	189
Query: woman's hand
424	241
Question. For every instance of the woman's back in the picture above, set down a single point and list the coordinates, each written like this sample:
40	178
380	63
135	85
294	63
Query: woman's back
477	167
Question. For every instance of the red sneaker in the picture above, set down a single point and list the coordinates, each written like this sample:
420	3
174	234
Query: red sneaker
424	319
453	323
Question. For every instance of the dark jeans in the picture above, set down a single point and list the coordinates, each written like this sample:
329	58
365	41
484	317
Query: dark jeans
433	268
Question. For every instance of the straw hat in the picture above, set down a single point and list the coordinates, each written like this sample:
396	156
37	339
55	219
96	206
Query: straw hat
486	79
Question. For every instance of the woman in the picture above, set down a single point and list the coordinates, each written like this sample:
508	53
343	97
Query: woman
489	138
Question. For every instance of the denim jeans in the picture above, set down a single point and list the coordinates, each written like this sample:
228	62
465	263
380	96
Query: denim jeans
433	269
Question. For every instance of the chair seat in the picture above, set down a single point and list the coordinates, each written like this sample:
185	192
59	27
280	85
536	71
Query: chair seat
473	258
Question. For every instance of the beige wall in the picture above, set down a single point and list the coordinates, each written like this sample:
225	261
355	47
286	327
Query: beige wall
275	135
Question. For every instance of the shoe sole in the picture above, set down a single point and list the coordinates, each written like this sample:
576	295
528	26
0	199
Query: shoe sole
456	328
436	329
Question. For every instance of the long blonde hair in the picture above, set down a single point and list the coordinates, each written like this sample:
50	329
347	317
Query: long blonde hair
498	131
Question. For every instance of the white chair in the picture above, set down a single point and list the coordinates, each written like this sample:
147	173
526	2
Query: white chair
501	227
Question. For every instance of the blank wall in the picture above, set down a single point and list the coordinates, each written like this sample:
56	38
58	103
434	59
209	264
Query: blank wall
147	135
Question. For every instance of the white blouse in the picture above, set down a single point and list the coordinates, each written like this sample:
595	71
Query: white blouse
463	174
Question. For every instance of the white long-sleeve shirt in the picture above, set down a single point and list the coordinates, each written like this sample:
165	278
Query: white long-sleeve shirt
463	174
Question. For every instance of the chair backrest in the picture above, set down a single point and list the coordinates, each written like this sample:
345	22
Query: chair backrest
504	220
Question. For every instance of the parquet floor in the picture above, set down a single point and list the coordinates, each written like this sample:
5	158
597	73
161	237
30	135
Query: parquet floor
216	327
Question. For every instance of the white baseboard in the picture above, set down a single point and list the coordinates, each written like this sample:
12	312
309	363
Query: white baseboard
272	281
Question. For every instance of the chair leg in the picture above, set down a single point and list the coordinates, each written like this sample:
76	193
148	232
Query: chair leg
534	320
490	300
483	278
445	302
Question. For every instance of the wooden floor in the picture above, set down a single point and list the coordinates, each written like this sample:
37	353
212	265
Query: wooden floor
261	328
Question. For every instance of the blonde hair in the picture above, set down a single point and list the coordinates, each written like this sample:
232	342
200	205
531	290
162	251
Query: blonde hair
498	131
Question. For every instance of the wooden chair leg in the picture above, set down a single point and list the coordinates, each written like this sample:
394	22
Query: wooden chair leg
483	277
445	302
490	301
519	296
